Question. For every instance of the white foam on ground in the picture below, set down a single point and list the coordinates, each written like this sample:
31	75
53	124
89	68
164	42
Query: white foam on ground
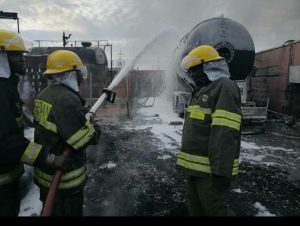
30	204
108	165
262	210
159	116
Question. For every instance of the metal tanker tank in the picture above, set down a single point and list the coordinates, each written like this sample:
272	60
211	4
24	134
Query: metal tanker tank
230	38
35	62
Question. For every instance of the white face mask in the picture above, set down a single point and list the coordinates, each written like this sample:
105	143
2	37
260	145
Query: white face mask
68	79
216	69
4	66
83	71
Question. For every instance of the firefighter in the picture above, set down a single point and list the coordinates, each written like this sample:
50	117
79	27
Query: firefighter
15	149
59	114
211	136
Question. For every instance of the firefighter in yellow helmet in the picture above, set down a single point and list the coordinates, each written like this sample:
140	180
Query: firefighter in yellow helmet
211	137
59	114
15	149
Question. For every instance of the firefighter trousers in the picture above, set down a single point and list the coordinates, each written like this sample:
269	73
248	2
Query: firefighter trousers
208	196
10	199
66	203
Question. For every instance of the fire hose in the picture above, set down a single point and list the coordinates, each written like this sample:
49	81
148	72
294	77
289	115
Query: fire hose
107	95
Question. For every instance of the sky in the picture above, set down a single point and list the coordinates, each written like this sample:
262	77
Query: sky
130	24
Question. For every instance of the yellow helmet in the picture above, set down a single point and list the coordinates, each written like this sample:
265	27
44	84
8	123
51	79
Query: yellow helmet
62	61
199	55
11	41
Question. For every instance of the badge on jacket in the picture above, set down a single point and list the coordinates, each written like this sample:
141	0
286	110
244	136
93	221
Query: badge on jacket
204	98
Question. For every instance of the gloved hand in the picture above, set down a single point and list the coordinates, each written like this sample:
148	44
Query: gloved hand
57	162
97	135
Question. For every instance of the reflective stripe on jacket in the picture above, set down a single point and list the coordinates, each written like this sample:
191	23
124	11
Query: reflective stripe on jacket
60	120
14	147
200	163
212	131
77	139
31	153
69	180
12	175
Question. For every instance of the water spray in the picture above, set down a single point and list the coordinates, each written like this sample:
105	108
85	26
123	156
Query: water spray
107	95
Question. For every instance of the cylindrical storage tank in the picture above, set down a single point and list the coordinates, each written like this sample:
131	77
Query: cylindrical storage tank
230	38
93	57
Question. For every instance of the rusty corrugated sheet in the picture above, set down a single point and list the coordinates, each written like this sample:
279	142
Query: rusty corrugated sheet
272	78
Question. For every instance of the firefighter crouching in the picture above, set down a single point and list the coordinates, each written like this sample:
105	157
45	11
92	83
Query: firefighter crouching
60	120
211	134
15	149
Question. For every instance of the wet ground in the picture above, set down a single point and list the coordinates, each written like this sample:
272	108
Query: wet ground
132	172
130	176
269	176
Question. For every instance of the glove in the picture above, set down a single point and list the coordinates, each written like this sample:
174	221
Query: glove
57	162
97	134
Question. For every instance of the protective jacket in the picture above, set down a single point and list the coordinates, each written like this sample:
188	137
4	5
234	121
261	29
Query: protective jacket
212	131
60	120
15	149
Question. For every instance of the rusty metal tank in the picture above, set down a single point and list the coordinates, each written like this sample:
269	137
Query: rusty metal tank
230	38
93	57
35	61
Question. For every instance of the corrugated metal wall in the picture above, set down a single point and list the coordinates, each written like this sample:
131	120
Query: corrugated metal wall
272	78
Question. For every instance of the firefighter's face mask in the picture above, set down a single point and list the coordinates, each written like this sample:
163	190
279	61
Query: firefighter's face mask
82	74
71	79
198	76
16	62
68	79
4	65
216	69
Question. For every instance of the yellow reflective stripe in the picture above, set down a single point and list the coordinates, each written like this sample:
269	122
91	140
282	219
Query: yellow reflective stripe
47	125
65	177
197	112
198	163
82	136
12	175
235	171
31	153
236	163
85	139
199	108
62	185
20	121
193	166
199	167
194	158
235	167
226	122
228	115
197	115
80	133
41	112
41	109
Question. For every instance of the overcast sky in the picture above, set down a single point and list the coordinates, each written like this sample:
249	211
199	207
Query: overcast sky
131	24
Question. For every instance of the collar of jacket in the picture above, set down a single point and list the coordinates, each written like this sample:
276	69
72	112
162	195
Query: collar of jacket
83	101
204	86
